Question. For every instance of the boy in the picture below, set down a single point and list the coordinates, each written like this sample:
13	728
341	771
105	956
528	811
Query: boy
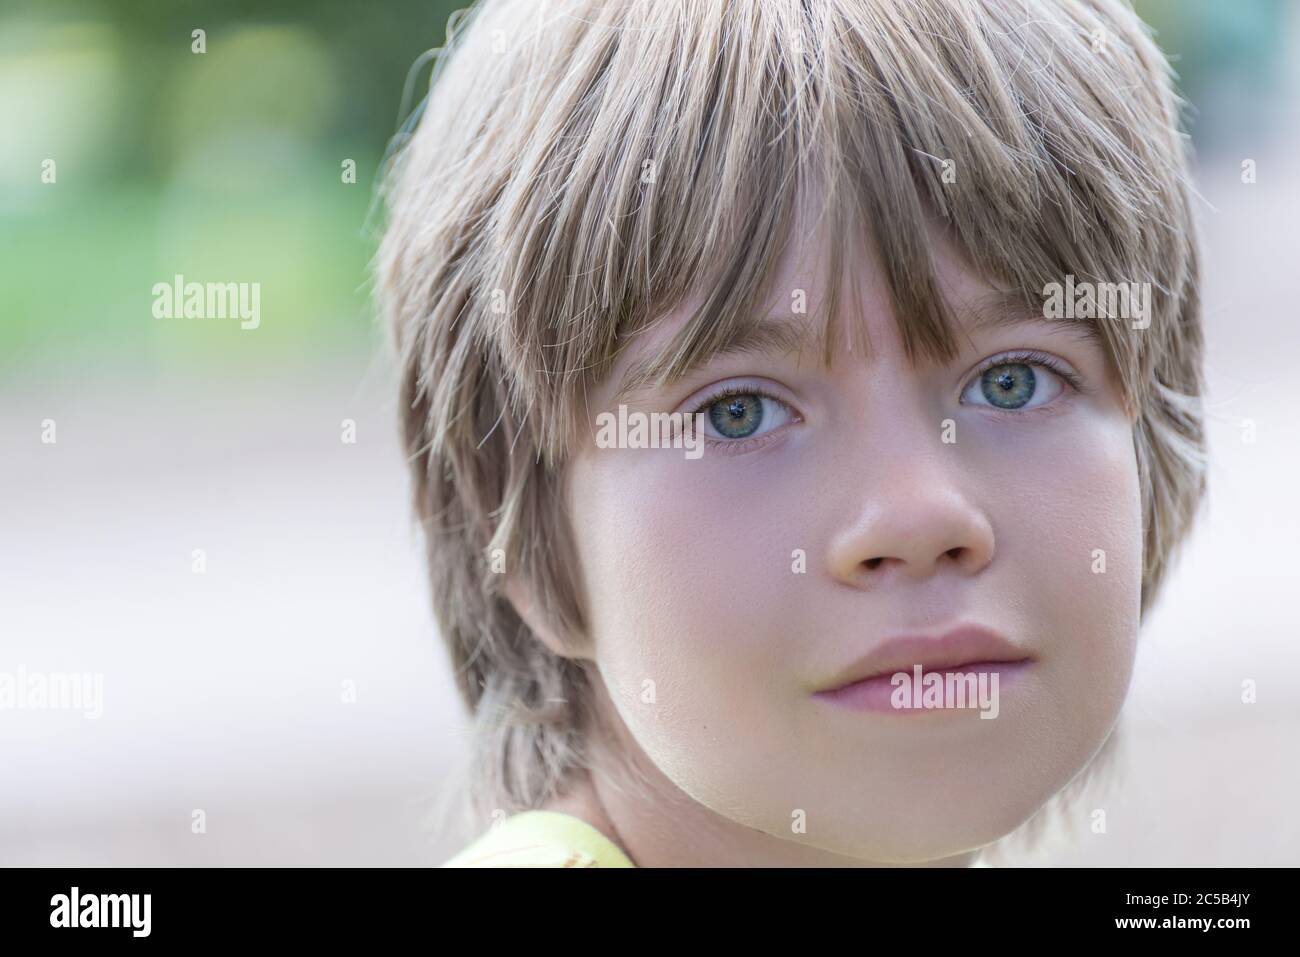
890	612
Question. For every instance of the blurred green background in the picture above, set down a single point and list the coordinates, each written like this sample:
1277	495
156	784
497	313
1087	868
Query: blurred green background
226	166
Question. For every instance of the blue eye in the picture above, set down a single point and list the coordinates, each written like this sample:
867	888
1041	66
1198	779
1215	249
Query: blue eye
737	416
1009	386
1013	383
742	413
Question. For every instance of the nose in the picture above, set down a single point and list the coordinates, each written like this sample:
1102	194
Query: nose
912	522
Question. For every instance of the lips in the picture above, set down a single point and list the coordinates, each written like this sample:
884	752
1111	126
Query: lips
957	650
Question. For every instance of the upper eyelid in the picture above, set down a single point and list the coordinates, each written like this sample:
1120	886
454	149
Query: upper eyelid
739	384
1060	366
1026	353
710	394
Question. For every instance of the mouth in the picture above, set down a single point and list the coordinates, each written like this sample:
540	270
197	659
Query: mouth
976	655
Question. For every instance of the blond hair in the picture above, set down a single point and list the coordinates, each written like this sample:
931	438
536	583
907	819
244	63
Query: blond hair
581	167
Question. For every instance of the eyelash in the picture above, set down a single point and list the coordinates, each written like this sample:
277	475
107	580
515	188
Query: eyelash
1027	357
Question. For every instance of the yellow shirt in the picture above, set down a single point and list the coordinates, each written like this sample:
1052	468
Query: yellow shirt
541	839
548	839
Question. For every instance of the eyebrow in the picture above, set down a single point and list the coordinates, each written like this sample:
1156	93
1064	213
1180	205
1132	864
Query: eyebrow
783	335
1008	310
769	335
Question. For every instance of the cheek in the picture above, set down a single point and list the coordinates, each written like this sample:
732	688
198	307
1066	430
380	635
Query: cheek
690	602
682	549
1070	522
1073	503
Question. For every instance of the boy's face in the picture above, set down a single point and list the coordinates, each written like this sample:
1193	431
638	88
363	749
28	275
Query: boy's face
832	511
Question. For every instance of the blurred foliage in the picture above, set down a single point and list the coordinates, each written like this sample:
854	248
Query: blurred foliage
335	67
224	166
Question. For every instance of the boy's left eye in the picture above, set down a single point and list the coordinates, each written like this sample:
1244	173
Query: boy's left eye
1014	385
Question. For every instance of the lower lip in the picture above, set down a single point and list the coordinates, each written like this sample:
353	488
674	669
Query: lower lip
877	694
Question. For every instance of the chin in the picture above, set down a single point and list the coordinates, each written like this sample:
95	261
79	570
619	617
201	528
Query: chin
934	833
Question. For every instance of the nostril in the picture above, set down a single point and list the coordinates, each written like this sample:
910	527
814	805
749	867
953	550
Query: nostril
957	554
